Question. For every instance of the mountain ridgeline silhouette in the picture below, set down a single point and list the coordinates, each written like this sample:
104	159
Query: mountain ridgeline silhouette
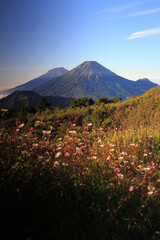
29	98
30	85
90	79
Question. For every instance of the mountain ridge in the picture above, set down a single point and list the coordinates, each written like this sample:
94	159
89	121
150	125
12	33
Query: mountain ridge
30	98
44	78
90	79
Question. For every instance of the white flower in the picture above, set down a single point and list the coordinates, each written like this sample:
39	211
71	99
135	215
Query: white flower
59	145
46	133
112	145
64	164
56	164
4	110
146	168
125	161
57	154
59	148
35	145
89	124
124	153
37	122
78	149
151	187
72	132
21	125
120	175
150	193
132	144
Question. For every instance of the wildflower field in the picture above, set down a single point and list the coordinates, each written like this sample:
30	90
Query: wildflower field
84	173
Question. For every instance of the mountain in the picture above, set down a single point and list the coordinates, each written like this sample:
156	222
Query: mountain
30	85
145	82
90	79
29	98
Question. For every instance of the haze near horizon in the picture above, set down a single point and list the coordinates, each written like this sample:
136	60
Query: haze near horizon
36	36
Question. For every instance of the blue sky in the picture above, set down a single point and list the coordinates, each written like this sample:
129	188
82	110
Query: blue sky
38	35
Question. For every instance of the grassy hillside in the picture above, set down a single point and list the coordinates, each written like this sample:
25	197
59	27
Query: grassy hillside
138	111
84	173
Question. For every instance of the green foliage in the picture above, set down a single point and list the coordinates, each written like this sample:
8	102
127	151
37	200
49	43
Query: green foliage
81	102
101	100
104	100
116	99
43	104
82	173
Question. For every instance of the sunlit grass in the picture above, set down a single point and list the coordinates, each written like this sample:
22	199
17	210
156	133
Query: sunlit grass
88	173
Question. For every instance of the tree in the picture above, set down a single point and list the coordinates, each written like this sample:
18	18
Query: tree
44	104
116	99
103	100
81	102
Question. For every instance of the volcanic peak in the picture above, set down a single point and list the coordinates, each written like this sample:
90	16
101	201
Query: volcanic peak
89	68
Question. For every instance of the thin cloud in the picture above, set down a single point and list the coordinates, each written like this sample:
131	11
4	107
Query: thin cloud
123	8
131	5
145	33
141	13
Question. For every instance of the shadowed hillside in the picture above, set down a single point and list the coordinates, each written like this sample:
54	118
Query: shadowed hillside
29	98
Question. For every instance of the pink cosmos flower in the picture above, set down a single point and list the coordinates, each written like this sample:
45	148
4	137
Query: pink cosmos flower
117	170
131	188
67	154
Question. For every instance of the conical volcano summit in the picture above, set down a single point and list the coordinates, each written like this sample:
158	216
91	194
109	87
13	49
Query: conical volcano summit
90	79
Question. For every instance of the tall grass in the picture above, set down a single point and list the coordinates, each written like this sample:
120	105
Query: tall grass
85	173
